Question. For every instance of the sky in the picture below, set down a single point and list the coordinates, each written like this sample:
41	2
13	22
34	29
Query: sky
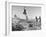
32	11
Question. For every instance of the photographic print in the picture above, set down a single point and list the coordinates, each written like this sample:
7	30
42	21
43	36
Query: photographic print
25	18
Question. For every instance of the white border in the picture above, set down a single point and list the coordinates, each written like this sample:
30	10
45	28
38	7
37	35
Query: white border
9	15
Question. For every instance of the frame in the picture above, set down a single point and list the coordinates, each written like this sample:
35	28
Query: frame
8	15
